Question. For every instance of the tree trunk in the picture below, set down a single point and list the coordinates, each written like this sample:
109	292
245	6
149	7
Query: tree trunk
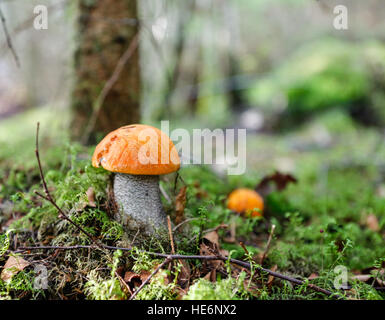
106	29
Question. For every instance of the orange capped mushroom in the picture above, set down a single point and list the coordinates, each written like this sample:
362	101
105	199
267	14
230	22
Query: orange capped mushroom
138	154
137	149
246	201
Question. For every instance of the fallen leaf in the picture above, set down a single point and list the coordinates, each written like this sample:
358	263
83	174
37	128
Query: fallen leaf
184	274
280	180
372	222
224	252
212	237
209	247
12	267
91	197
271	278
134	280
313	276
180	204
211	276
199	192
132	276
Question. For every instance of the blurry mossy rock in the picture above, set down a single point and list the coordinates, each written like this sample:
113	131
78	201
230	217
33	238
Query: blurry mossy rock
323	75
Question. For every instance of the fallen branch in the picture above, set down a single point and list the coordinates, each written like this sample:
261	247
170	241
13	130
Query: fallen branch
187	257
268	244
48	197
183	222
170	235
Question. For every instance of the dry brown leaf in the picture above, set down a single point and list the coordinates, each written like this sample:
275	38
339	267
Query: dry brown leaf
212	237
91	197
209	247
131	276
200	193
280	180
211	276
205	250
372	222
12	267
271	278
184	274
134	280
224	252
313	276
180	204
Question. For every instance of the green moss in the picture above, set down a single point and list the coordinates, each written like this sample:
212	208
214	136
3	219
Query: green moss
222	289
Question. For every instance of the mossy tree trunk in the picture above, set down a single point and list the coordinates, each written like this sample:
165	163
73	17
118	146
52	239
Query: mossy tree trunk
106	29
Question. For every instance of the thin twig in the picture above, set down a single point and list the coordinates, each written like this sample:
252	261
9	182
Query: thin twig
221	226
244	247
268	244
187	257
48	197
8	38
62	215
164	193
183	222
165	262
170	235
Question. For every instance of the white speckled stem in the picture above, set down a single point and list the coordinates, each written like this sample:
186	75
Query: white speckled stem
138	198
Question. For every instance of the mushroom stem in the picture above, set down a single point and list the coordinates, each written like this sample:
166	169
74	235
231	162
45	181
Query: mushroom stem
138	198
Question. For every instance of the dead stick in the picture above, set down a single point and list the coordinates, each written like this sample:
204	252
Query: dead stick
170	235
189	257
268	244
183	222
48	197
65	217
164	193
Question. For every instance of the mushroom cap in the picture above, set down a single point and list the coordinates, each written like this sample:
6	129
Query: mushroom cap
246	201
137	149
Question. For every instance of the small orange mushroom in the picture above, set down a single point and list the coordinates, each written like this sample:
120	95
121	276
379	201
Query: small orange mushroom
246	201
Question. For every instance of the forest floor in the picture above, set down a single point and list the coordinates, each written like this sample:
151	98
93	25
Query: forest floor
331	219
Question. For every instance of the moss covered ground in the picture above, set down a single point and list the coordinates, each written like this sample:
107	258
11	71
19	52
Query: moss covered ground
334	215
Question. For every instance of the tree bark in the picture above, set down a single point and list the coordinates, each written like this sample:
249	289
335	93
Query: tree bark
105	31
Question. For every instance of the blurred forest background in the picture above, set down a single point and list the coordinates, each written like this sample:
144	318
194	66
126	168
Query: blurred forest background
311	97
280	69
254	64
